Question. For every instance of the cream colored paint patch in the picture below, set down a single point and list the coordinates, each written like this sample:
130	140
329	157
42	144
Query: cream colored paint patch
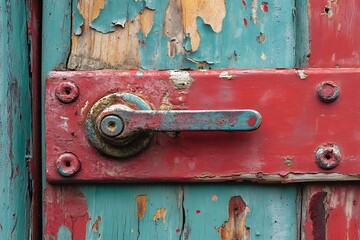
211	11
118	49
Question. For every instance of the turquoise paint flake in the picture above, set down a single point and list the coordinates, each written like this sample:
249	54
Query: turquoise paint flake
64	233
235	46
118	12
78	19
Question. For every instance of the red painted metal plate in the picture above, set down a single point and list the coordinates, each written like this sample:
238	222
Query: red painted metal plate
295	123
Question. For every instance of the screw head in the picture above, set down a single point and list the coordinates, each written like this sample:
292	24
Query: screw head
328	156
67	92
328	91
68	164
111	126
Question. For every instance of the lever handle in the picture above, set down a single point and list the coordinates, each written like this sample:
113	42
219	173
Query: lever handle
122	124
118	120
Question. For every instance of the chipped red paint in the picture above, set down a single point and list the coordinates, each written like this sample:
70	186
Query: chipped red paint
34	32
331	211
245	22
295	123
265	6
332	26
244	3
65	206
318	215
252	121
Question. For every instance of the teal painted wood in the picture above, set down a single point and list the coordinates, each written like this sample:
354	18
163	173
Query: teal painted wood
116	205
302	48
118	210
15	122
271	214
251	36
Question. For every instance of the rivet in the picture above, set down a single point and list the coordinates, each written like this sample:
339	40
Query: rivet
328	91
68	164
67	92
111	126
328	156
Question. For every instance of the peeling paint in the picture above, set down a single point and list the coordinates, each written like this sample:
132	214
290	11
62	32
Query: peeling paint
302	74
96	225
225	74
173	28
181	79
147	21
211	15
318	215
235	227
254	6
141	206
160	214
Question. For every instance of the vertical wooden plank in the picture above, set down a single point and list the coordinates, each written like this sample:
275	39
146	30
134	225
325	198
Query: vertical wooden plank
331	211
34	32
15	122
240	211
333	24
134	212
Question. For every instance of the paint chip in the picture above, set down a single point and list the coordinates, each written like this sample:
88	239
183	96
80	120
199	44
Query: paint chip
141	206
301	74
160	214
263	56
225	74
181	79
96	225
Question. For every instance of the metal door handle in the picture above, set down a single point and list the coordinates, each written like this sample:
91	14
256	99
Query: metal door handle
114	124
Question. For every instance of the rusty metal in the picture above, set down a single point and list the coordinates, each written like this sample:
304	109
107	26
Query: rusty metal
328	156
67	92
111	125
118	122
68	164
104	138
291	128
328	91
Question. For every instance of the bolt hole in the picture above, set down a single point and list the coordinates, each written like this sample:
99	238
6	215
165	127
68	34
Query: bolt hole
67	163
328	156
111	125
67	91
327	10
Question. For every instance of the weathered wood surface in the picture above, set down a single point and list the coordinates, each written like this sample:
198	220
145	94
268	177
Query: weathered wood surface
333	29
169	35
15	122
183	34
331	212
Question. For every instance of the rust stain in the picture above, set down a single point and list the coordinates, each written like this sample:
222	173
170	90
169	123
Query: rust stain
261	37
212	13
318	215
141	205
160	214
96	225
147	21
235	227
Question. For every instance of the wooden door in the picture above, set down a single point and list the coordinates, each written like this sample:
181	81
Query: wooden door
192	35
